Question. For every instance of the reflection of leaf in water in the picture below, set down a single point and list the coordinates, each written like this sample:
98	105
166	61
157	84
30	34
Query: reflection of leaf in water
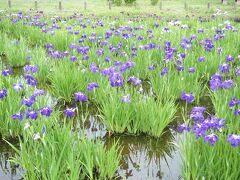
6	153
152	150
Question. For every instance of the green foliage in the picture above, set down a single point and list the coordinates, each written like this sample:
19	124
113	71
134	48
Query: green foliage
66	79
129	2
142	115
172	84
9	106
200	160
62	154
16	51
117	2
43	63
154	2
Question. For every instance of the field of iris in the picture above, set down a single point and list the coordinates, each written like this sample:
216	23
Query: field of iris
74	89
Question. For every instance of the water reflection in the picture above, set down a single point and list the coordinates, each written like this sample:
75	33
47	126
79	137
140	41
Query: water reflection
8	170
144	157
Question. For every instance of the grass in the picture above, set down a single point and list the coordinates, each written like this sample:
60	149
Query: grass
169	8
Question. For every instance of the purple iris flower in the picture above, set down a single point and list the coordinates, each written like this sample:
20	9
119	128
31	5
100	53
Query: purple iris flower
30	69
69	112
214	123
46	111
183	127
32	114
208	45
191	70
92	86
28	102
116	79
229	58
73	58
219	50
199	129
30	80
201	59
237	72
6	72
18	116
107	59
215	82
38	92
189	98
140	38
164	71
66	53
94	68
3	93
200	30
81	97
197	113
234	101
100	52
224	68
135	81
17	87
151	67
117	63
237	112
212	138
193	36
234	140
227	84
180	68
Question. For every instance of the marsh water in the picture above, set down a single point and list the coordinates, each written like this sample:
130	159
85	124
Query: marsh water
142	157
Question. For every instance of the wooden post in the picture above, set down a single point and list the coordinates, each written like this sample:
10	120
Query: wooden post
185	6
36	5
160	5
85	5
209	5
9	4
110	5
224	2
135	4
60	5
